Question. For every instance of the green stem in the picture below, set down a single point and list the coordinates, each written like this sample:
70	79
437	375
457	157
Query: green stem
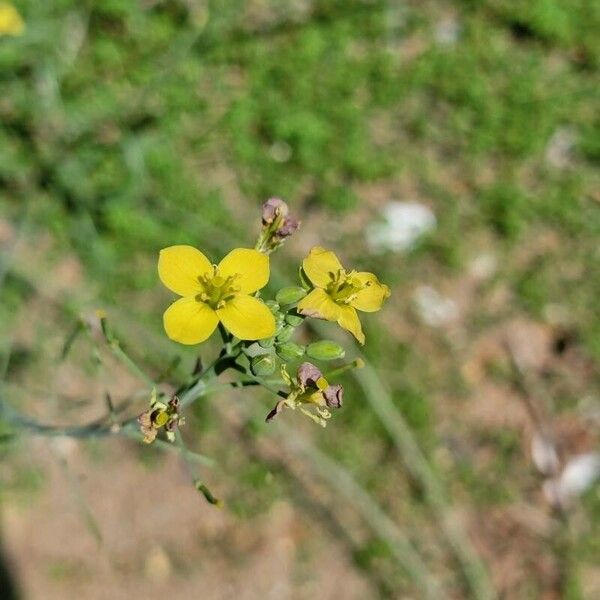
355	364
119	353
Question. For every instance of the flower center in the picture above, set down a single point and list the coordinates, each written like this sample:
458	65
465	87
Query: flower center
216	289
345	286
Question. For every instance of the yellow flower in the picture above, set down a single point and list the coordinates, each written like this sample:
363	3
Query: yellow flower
11	22
337	294
213	293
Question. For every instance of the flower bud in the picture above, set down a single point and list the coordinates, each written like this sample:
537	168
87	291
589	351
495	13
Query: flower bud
277	225
325	350
288	227
255	349
273	306
272	209
290	295
293	319
263	365
285	334
266	343
289	351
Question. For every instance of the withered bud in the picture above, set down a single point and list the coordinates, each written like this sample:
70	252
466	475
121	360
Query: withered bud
273	208
334	396
308	374
278	225
288	227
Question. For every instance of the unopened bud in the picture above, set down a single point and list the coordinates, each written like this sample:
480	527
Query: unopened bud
263	365
272	209
289	351
273	306
266	343
325	350
288	227
285	334
290	295
277	225
293	319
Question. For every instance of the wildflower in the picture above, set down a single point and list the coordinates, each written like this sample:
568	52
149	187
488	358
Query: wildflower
11	22
309	387
278	225
215	293
160	415
338	294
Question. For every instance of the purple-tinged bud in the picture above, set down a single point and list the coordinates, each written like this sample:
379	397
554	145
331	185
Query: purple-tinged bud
278	225
334	396
308	375
288	227
273	208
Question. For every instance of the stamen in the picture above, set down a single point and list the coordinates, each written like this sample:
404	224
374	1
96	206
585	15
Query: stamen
218	290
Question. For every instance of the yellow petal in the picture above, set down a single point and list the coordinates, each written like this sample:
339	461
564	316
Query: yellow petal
179	268
11	22
188	321
349	320
319	305
371	298
320	266
247	318
253	266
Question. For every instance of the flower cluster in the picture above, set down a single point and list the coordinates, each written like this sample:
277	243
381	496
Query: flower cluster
258	332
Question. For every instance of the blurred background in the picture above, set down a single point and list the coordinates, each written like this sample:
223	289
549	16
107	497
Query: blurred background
450	147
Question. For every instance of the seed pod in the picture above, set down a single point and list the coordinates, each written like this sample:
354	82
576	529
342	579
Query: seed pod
325	350
263	365
285	334
289	351
290	295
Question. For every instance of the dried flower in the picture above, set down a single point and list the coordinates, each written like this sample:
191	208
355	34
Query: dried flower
160	415
309	387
